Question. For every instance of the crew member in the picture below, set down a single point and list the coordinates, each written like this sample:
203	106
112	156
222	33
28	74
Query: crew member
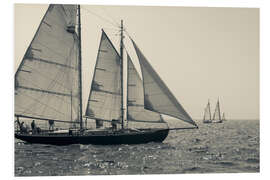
114	125
51	125
33	126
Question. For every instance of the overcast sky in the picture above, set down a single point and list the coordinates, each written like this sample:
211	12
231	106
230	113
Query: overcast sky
200	53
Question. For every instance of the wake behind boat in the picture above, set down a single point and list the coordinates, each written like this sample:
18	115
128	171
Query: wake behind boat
48	88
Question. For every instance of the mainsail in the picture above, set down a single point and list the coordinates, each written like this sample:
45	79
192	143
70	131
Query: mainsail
46	82
135	98
157	96
104	101
216	116
223	117
207	113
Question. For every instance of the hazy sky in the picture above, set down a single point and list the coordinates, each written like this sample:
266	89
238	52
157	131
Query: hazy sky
200	53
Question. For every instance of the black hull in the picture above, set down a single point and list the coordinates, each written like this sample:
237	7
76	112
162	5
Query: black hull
97	139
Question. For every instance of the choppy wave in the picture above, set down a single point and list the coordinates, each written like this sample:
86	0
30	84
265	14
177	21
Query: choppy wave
229	147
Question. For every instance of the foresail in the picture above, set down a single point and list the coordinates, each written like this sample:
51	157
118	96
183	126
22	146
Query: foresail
46	82
204	114
104	102
157	96
207	113
223	117
216	116
135	98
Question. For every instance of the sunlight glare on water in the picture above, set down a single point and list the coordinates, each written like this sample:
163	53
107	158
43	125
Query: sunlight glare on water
232	146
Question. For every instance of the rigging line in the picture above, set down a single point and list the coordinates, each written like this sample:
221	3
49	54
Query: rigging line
59	71
46	77
31	106
22	113
43	94
68	71
106	20
102	106
111	17
42	90
38	101
114	29
57	53
56	37
54	22
53	84
125	30
58	77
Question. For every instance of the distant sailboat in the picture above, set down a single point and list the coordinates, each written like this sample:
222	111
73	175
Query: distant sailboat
207	114
223	117
217	116
48	87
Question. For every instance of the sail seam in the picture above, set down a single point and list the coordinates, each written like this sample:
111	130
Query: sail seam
51	62
145	121
44	91
145	64
45	119
106	92
22	63
137	105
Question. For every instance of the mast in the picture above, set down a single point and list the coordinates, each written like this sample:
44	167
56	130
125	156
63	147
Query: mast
127	89
71	106
121	69
80	65
209	110
219	116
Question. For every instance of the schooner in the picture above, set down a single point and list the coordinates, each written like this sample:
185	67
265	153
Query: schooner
207	114
48	87
217	116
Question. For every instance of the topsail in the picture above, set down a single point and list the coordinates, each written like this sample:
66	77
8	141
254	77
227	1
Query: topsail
46	82
157	96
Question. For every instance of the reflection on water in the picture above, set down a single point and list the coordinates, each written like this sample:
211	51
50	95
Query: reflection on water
232	146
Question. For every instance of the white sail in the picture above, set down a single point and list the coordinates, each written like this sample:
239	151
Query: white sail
157	96
207	113
216	116
104	101
223	117
46	82
135	98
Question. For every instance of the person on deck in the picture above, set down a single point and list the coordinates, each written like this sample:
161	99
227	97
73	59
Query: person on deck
33	126
114	125
51	125
23	129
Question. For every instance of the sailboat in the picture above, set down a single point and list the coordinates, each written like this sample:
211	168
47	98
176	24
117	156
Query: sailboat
48	88
223	117
207	114
217	116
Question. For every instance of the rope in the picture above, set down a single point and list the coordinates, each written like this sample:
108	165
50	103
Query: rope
184	128
102	18
112	18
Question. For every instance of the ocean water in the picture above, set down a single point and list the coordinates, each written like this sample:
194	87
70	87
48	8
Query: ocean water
229	147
